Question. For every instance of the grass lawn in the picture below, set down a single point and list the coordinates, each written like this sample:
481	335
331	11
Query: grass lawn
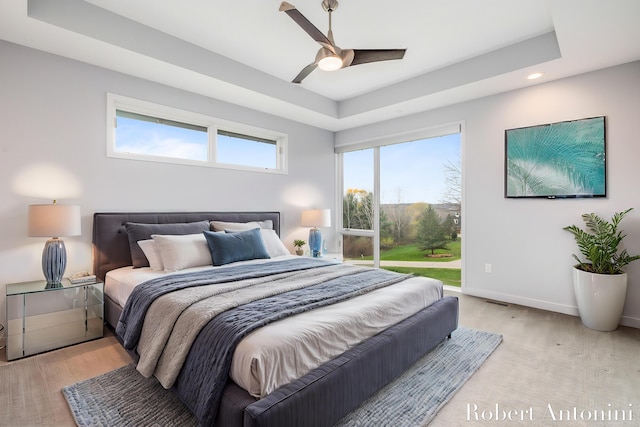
412	253
448	276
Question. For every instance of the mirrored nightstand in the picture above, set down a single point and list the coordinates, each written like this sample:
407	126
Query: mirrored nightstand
42	318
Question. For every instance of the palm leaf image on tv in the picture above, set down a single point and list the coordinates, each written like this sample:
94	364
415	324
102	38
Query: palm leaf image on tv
565	159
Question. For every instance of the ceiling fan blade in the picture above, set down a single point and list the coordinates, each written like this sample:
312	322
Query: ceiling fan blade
362	56
305	72
306	25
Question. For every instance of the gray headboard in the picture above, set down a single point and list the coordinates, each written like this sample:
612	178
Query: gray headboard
111	244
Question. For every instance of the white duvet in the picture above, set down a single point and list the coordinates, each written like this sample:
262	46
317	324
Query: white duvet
285	350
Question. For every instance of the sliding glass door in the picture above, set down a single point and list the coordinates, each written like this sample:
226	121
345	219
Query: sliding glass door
401	206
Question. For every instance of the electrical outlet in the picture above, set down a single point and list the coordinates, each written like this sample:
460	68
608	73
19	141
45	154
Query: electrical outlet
487	268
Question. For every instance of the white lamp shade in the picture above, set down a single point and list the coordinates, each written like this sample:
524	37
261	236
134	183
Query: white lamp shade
316	218
54	220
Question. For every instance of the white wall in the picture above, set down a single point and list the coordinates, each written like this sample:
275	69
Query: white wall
523	240
53	145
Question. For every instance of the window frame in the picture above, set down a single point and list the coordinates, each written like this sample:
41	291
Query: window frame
212	124
376	144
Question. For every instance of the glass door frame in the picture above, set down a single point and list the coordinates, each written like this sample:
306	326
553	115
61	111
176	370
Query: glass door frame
375	233
432	132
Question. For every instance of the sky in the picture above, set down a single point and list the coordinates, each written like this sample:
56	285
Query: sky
409	173
140	137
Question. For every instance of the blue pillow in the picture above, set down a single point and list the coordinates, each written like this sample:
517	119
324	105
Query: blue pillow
231	247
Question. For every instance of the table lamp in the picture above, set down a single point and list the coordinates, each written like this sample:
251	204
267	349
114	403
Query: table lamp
316	218
54	221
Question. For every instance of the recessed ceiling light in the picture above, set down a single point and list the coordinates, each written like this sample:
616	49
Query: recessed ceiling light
534	76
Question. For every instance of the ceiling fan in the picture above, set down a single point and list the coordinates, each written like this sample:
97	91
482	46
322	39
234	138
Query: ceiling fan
330	57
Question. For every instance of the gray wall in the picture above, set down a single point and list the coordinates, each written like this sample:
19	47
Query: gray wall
53	145
523	240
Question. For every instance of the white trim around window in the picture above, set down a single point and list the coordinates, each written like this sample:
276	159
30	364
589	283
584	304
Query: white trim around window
207	129
375	144
402	137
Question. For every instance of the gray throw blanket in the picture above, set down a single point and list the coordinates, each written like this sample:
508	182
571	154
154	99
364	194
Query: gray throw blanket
130	323
206	368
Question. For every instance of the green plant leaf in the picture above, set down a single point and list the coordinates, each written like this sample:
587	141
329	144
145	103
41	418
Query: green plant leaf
599	244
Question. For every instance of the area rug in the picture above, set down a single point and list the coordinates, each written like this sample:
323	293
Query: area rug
124	398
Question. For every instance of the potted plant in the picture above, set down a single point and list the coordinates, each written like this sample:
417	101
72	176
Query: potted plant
298	243
599	282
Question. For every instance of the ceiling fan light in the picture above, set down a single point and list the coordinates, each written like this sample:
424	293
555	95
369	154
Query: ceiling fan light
330	63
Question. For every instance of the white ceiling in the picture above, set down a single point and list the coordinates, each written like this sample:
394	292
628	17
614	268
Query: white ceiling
246	52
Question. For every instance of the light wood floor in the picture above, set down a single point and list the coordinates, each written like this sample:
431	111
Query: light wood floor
545	359
30	388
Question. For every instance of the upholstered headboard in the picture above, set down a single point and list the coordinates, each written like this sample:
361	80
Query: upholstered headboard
111	244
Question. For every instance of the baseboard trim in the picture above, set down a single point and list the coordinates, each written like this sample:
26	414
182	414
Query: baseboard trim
633	322
527	302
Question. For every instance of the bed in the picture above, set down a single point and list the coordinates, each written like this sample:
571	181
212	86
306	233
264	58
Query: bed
323	394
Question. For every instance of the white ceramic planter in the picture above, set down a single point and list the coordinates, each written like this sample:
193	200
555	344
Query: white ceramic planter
600	298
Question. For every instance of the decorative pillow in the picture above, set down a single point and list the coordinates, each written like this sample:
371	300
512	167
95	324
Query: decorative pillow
222	225
182	251
272	242
231	247
152	254
138	231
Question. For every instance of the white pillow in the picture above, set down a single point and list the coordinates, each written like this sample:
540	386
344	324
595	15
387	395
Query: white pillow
273	244
222	225
182	251
152	254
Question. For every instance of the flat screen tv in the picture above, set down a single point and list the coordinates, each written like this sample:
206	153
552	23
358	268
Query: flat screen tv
556	160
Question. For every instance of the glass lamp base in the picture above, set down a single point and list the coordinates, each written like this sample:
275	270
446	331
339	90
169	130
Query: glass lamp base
315	243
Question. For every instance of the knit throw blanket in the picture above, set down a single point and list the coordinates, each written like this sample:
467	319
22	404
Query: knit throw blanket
242	299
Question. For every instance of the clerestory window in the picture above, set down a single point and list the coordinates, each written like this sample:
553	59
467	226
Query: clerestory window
145	131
